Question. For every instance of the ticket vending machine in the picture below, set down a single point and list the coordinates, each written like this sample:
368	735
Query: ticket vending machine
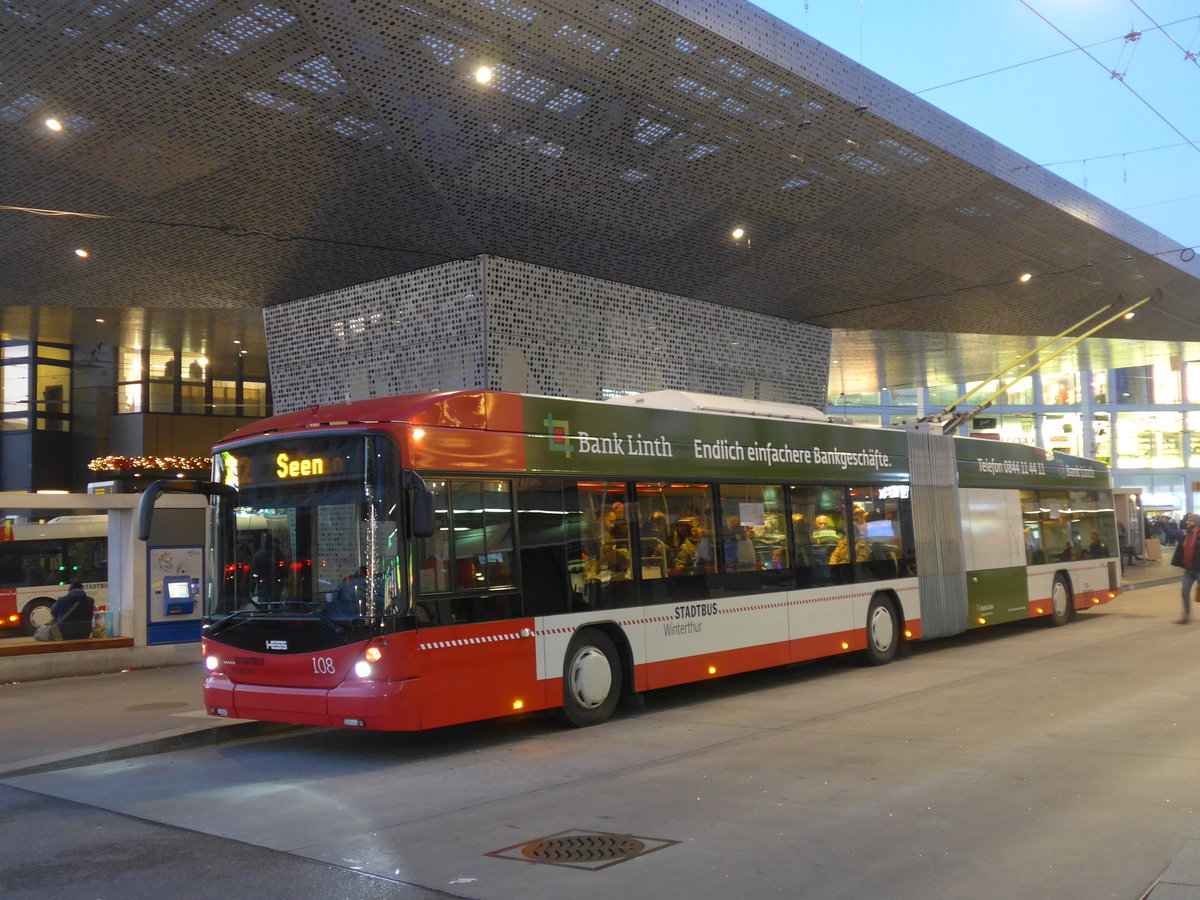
180	593
173	596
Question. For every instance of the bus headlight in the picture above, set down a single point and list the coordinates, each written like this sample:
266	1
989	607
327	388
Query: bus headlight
362	669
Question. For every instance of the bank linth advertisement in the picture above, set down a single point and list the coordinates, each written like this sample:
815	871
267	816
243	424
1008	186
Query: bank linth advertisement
572	436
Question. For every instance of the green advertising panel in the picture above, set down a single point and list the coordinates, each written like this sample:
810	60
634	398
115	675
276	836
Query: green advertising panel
984	463
626	441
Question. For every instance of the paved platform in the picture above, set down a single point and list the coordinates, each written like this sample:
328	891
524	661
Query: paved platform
63	723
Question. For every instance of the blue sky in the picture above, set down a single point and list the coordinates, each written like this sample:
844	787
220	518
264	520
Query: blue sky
1068	108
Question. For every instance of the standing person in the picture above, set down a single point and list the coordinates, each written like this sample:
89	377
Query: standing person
1187	557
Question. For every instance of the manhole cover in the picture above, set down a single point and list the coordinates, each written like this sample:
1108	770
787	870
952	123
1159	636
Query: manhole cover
583	848
577	848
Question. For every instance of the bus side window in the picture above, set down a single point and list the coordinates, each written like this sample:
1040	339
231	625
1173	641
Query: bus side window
542	524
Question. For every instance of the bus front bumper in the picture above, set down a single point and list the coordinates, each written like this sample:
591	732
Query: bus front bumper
381	705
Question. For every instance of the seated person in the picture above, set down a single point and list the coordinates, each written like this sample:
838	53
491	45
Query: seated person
824	532
73	613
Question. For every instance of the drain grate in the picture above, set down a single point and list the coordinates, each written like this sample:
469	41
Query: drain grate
577	848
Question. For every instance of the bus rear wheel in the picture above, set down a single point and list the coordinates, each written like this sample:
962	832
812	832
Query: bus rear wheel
36	614
1062	604
883	631
591	678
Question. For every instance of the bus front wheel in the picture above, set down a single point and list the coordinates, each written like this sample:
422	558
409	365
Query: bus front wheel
1062	604
591	678
883	631
36	614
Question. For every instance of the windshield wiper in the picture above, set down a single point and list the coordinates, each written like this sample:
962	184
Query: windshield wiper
214	627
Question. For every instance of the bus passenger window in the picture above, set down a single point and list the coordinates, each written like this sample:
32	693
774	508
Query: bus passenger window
606	552
818	528
678	558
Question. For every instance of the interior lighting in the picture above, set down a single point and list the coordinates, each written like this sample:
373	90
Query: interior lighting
101	321
54	124
483	75
81	253
738	233
203	360
1025	277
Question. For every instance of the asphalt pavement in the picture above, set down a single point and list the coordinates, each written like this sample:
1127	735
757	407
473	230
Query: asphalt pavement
64	723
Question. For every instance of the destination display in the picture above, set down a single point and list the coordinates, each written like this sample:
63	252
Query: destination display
316	461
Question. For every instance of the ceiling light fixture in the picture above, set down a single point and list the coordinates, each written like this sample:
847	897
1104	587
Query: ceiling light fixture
738	233
1025	277
54	124
81	253
483	75
1130	315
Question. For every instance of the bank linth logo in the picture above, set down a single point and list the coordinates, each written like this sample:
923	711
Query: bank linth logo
558	431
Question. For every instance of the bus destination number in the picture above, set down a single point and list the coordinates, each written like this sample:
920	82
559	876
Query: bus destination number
323	665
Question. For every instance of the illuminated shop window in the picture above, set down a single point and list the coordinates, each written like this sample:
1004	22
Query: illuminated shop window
1193	438
1062	432
224	395
1191	375
254	399
1149	440
1060	390
129	398
191	400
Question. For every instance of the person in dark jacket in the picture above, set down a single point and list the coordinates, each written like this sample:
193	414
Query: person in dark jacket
73	613
1187	557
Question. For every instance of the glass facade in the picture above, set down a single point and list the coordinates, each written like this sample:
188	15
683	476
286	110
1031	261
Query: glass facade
1137	419
189	383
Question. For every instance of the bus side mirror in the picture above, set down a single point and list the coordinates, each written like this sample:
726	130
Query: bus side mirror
421	505
174	486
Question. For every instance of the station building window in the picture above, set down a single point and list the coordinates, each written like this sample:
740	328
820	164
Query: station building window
189	383
35	386
1149	440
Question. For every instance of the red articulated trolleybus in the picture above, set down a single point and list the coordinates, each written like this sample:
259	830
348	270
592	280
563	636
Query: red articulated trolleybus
420	561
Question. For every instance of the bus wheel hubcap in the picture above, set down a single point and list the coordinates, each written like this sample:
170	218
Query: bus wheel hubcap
1060	598
591	678
883	629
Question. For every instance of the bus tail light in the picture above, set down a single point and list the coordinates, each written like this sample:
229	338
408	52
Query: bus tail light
373	654
212	663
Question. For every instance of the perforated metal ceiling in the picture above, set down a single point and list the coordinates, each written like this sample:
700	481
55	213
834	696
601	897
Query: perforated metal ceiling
258	152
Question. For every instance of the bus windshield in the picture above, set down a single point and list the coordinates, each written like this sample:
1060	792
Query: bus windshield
313	531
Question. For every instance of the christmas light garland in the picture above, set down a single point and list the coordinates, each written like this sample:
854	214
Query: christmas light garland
150	463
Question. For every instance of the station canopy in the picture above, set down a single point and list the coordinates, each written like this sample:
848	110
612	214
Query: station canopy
244	154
